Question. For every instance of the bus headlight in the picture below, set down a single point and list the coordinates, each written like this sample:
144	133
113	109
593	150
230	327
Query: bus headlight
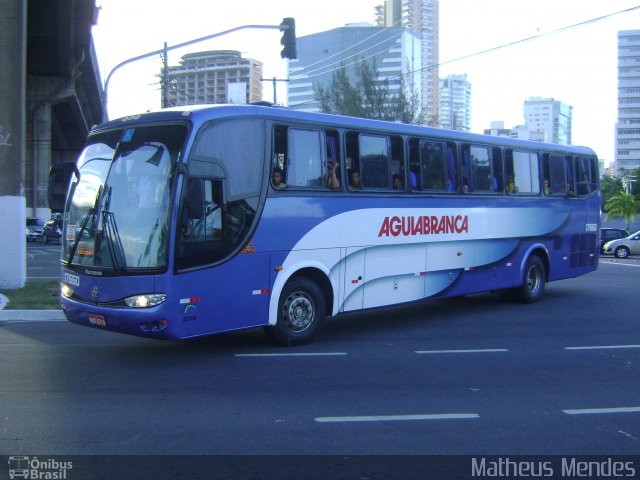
66	290
143	301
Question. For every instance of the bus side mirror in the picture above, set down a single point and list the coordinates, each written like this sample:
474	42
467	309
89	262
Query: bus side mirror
59	178
195	199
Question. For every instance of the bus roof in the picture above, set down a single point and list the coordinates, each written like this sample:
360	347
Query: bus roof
199	114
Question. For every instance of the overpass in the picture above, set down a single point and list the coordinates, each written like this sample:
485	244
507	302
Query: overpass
50	97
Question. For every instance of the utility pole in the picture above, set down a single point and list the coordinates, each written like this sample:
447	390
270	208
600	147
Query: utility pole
274	80
165	77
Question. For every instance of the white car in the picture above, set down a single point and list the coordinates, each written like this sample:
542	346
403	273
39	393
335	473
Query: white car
35	228
623	247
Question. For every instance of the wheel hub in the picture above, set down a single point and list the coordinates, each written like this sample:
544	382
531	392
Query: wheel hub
299	311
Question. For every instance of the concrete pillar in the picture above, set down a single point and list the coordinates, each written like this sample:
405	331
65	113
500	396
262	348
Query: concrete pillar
13	245
41	160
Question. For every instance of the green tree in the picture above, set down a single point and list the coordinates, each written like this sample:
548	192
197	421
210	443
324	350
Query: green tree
623	206
406	105
368	97
609	186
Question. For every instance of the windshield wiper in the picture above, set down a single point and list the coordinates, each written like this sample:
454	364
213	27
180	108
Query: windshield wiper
111	233
91	213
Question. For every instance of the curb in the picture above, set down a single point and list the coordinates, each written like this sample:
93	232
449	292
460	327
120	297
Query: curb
32	315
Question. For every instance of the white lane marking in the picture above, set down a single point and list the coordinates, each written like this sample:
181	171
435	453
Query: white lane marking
623	264
601	347
483	350
397	418
320	354
592	411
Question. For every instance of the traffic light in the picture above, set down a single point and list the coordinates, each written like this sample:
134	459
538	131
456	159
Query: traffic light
288	41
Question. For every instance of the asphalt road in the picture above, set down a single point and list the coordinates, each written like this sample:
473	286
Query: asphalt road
43	261
474	375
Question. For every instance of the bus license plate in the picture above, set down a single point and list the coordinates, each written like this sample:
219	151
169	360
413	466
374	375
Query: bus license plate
98	320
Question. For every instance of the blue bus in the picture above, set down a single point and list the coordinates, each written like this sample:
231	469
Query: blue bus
206	219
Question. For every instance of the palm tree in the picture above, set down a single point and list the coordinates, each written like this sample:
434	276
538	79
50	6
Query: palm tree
623	206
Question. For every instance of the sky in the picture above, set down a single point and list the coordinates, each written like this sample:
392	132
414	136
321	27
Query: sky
577	66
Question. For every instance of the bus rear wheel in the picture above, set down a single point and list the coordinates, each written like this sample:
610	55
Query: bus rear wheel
535	276
301	312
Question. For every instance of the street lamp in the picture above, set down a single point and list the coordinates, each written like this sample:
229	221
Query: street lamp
105	115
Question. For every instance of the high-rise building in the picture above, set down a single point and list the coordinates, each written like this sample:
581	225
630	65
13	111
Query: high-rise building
627	153
551	117
220	76
395	51
455	103
422	18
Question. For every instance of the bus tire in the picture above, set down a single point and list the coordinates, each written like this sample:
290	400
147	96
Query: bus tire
301	312
533	283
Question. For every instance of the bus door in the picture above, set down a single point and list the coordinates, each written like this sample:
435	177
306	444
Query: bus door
219	289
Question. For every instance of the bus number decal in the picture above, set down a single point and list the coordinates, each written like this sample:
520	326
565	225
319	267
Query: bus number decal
591	227
72	279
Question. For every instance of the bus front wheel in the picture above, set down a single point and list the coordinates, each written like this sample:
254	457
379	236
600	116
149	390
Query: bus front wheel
532	288
301	312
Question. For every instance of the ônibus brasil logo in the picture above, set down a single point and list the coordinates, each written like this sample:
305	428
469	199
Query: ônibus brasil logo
36	469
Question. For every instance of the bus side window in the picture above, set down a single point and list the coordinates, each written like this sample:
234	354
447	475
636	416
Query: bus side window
279	154
333	160
374	161
397	164
202	211
353	161
304	163
554	171
497	181
298	158
465	169
586	178
433	165
414	164
451	163
522	172
481	168
568	165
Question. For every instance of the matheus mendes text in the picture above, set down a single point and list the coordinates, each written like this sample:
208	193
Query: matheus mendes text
424	225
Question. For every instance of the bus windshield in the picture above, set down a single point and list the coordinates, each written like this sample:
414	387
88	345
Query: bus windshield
117	214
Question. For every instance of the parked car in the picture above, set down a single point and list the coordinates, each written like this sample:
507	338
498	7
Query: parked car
52	231
608	234
624	247
35	227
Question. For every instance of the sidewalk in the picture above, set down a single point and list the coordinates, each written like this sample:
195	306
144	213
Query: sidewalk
34	315
22	315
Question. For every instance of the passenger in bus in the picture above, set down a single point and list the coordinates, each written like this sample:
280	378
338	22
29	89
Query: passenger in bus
545	187
277	178
511	186
465	185
354	180
397	182
333	182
